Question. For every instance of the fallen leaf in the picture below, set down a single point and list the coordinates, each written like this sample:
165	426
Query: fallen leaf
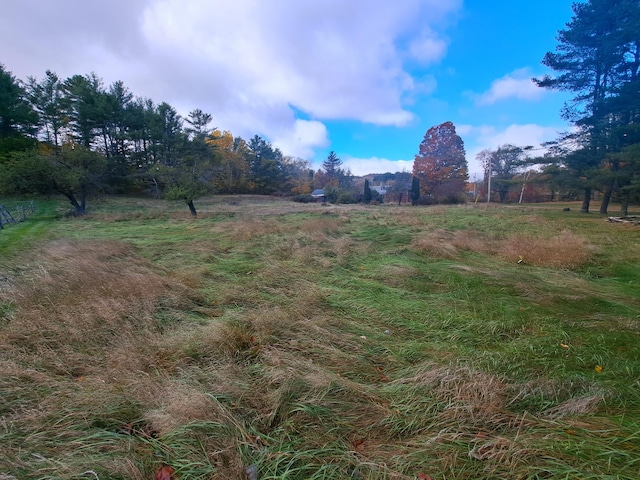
570	432
358	445
564	345
164	473
423	476
598	368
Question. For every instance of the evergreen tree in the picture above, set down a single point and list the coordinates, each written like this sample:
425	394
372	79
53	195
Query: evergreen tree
47	98
266	166
332	166
367	192
597	59
17	119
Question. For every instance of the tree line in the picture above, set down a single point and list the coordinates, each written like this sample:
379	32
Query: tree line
76	136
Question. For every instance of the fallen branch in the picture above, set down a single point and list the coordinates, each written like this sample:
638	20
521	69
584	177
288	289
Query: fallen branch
634	219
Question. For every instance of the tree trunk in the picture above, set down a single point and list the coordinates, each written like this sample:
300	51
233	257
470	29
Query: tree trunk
192	208
606	198
624	206
586	201
78	207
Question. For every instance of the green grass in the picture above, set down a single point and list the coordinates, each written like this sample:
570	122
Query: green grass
15	237
317	342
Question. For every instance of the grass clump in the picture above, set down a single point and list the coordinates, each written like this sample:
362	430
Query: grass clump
305	342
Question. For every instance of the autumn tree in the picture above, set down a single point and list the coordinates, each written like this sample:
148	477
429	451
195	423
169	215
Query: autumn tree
231	159
440	163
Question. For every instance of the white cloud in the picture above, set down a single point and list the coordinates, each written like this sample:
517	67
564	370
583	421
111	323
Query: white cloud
332	59
302	138
364	166
517	84
428	47
250	63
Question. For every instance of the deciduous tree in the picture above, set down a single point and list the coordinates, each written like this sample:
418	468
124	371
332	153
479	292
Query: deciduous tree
440	163
501	167
73	171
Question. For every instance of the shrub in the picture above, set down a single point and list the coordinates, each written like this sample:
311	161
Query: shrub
303	198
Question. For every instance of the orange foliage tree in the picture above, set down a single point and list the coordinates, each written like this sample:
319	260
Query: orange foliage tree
231	154
441	164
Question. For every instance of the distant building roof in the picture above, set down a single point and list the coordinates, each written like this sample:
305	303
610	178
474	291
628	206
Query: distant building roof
318	193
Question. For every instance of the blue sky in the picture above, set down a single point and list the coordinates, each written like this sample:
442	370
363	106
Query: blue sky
365	78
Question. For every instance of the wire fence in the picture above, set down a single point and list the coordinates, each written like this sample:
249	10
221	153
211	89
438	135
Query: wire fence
20	214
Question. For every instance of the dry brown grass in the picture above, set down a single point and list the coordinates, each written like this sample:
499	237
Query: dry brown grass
249	228
87	304
468	396
441	243
565	250
84	330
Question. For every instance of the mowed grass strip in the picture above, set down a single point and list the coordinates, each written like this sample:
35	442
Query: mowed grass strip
309	341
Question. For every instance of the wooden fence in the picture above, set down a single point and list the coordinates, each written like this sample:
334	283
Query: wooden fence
20	214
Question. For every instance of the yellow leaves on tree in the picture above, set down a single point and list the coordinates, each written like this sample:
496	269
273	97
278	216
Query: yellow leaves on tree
220	140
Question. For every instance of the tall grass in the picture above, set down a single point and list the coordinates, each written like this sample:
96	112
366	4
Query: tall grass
309	342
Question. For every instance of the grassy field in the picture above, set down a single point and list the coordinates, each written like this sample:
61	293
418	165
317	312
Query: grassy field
273	340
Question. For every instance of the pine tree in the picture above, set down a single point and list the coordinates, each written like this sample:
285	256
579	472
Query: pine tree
332	166
597	59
